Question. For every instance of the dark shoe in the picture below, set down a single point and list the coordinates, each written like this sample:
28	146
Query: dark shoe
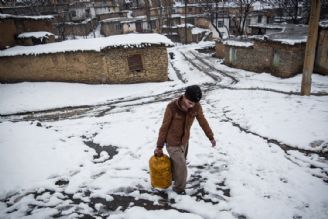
180	192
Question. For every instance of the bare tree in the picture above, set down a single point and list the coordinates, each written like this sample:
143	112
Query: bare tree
245	8
288	10
147	10
297	11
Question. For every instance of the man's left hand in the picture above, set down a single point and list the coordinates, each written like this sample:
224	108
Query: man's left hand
213	143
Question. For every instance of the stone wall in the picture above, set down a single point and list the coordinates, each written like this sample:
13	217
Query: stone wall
101	17
280	60
109	29
182	34
8	37
108	66
78	29
321	61
202	23
286	60
15	26
219	49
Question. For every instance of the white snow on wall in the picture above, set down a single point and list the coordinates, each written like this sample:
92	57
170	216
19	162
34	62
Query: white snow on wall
39	34
94	44
291	41
42	17
238	43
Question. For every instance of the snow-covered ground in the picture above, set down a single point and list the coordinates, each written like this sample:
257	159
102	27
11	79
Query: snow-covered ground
72	150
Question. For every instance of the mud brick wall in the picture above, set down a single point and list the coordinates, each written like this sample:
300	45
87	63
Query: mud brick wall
321	61
109	66
281	60
202	23
290	59
79	29
108	28
11	27
34	25
219	49
8	32
154	61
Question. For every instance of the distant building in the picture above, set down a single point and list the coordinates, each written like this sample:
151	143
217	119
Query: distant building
15	25
280	53
123	25
129	58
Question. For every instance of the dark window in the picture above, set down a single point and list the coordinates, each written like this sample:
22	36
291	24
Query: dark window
73	13
153	24
135	63
118	26
87	11
248	22
220	23
259	19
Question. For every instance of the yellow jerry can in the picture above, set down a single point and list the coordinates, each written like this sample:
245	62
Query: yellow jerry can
160	171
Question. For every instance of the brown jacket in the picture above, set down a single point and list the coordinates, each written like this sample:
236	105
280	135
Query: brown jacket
175	129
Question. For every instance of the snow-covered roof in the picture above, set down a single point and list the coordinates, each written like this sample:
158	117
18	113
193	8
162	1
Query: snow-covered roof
93	44
268	26
290	41
197	30
79	23
258	6
324	24
42	17
290	34
127	19
188	25
238	43
120	19
210	4
39	34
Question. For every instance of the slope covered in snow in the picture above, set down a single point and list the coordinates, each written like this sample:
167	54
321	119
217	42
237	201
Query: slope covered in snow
84	150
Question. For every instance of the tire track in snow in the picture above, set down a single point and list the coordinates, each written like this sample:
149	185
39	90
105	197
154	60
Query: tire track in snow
178	73
216	78
210	66
286	148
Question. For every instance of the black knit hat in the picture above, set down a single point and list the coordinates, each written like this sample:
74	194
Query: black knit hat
193	93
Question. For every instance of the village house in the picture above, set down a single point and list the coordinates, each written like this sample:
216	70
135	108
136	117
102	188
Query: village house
15	25
73	29
128	58
122	25
281	53
35	38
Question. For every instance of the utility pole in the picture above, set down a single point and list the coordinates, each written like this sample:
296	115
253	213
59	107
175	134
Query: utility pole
310	47
186	2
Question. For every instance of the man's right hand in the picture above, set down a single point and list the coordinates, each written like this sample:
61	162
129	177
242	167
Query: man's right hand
158	152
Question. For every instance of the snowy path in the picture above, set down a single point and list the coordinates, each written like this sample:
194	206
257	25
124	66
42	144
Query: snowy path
91	159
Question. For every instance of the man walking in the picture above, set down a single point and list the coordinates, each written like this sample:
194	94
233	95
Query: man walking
175	132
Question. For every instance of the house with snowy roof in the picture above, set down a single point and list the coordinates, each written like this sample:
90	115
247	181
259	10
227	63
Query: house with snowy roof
14	25
122	25
129	58
279	53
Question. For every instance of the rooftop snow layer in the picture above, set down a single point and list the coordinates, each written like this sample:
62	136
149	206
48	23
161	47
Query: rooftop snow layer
42	17
93	44
197	30
291	41
39	34
268	26
238	43
324	23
